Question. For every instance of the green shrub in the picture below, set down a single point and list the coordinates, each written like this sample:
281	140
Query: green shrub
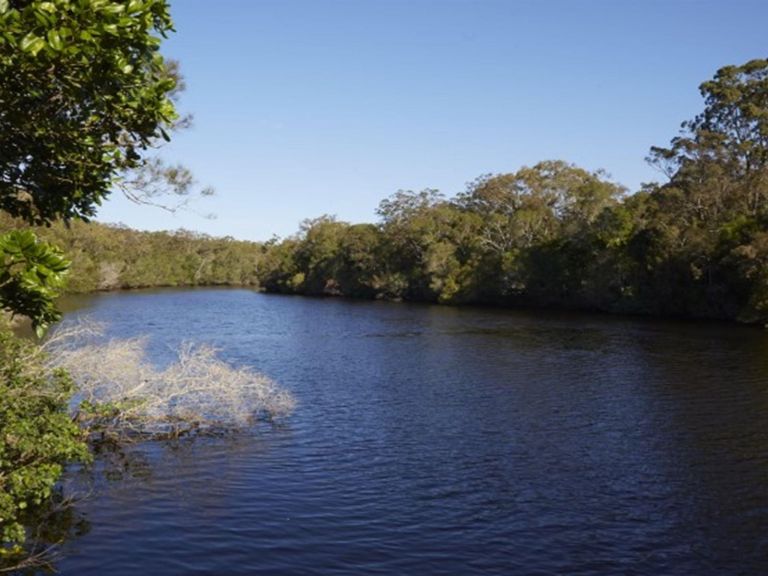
37	437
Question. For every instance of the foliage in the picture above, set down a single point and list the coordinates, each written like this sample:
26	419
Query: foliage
482	246
84	93
108	257
31	277
37	436
732	131
85	96
555	234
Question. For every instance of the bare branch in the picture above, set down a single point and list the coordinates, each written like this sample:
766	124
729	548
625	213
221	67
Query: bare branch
198	391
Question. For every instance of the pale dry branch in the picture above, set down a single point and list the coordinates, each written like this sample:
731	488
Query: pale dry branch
131	395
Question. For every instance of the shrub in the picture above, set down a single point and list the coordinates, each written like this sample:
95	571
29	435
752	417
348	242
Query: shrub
37	437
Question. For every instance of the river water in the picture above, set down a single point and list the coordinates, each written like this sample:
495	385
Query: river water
438	440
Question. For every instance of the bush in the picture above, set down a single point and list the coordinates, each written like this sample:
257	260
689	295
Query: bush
37	437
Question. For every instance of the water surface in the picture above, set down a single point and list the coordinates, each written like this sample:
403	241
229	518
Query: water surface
436	440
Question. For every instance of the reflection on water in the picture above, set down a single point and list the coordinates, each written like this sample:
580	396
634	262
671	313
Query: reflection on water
433	440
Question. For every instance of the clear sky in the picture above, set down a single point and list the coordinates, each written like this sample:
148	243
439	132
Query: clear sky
311	107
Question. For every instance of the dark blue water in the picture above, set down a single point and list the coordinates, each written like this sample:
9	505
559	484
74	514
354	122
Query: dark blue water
436	440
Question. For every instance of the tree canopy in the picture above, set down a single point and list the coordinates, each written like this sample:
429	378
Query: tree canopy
732	129
554	234
84	92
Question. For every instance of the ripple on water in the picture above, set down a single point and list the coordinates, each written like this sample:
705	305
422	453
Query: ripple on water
430	440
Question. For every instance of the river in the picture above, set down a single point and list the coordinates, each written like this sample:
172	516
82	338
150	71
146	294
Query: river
438	440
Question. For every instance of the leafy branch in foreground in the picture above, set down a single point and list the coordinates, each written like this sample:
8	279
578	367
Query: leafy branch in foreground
84	92
85	98
32	274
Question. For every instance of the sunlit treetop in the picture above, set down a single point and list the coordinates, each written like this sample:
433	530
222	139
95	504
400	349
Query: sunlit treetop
733	128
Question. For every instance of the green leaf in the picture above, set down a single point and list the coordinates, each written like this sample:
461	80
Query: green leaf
32	43
54	40
115	8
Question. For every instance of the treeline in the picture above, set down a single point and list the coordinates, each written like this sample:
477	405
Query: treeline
557	235
551	235
108	257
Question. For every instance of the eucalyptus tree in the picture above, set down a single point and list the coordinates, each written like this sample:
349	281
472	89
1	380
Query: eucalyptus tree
720	158
430	246
535	223
712	213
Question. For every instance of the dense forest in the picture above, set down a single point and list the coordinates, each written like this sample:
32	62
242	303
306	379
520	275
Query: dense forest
109	257
550	235
560	236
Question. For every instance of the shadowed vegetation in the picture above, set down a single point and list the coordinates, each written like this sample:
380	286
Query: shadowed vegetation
558	235
109	257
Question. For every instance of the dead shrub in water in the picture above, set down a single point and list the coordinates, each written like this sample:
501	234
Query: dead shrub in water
122	393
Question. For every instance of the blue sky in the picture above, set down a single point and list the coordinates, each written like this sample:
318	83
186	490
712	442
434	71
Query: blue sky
310	107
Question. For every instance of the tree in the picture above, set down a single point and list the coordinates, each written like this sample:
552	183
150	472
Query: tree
84	93
317	254
535	226
704	236
720	158
359	260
